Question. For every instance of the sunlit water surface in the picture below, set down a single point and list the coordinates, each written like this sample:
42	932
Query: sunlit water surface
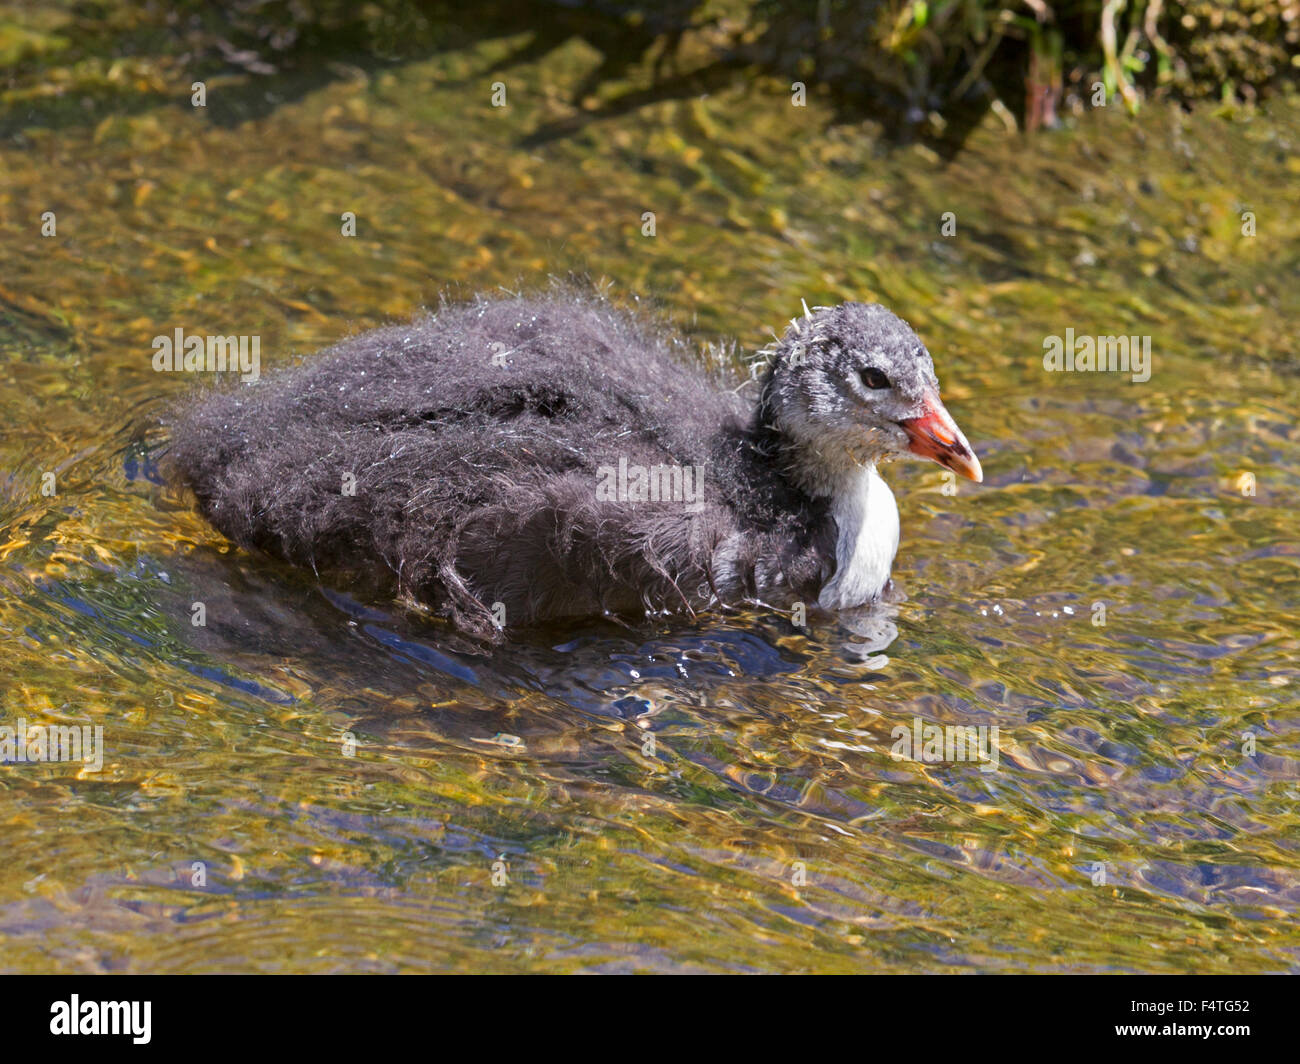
715	795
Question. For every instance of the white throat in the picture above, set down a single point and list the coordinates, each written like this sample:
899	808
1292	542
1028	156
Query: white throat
866	517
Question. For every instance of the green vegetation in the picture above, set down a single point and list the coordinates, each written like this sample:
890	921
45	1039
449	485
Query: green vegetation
922	65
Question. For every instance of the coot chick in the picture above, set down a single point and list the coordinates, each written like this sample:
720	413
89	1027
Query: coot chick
511	461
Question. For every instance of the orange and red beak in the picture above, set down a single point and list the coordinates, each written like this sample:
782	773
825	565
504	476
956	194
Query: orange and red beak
935	435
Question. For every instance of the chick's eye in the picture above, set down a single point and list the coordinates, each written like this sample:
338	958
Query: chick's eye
873	378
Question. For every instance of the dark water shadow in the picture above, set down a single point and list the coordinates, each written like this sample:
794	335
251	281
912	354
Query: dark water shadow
267	57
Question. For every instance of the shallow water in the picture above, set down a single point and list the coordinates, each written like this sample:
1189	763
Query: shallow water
766	827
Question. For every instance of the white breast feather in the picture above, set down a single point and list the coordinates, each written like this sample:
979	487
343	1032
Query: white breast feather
867	519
